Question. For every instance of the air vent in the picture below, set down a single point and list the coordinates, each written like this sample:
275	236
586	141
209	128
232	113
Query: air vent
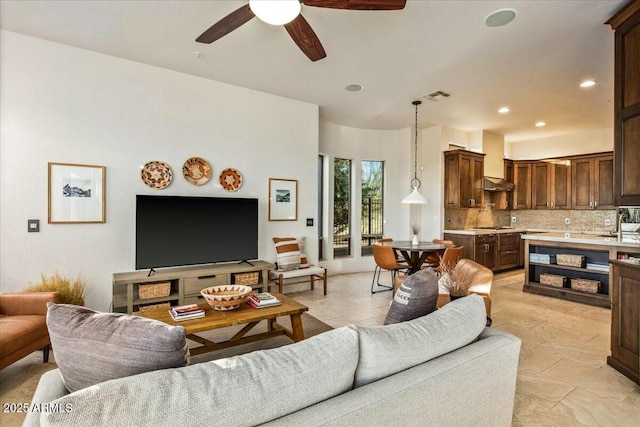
437	95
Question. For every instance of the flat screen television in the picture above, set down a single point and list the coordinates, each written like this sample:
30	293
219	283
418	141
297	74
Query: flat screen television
175	230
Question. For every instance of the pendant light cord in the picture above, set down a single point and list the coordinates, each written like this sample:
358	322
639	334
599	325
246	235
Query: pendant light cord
415	183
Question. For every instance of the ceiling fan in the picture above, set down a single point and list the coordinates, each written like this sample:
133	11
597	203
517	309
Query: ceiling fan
295	24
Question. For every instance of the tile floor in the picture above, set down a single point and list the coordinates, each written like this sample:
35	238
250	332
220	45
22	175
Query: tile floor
563	378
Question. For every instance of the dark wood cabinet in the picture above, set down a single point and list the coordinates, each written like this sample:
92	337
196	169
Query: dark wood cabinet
504	199
463	179
522	181
551	184
485	250
497	251
509	255
625	320
592	182
626	24
593	254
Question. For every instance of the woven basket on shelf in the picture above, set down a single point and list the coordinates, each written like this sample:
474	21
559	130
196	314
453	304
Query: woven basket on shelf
570	260
552	279
154	290
586	285
248	279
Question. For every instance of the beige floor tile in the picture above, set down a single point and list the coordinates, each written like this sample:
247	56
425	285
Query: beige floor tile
538	384
603	381
532	411
592	410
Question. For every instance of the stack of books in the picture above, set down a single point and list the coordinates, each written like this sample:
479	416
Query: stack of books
598	267
186	312
262	300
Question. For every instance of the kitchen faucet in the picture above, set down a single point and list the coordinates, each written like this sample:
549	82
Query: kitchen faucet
621	216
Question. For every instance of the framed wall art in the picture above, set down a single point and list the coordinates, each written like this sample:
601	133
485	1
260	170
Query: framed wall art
76	193
283	199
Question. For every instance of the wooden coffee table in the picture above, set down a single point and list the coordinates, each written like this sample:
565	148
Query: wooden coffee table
245	315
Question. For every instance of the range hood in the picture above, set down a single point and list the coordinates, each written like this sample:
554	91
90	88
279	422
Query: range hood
496	184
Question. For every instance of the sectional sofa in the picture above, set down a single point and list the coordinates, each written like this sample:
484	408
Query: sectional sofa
442	369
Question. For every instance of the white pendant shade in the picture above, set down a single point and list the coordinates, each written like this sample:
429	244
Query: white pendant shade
275	12
415	198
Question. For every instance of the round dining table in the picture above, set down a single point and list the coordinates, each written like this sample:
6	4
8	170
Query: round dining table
415	255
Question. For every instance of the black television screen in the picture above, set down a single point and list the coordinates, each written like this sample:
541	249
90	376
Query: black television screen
174	230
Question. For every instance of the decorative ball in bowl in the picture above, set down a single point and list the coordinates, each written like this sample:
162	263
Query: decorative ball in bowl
226	297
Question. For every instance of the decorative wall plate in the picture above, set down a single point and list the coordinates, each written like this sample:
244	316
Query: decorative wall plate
230	179
156	174
196	170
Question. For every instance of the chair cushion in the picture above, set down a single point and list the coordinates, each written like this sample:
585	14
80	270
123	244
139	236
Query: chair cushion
314	269
416	297
386	350
287	253
91	347
245	390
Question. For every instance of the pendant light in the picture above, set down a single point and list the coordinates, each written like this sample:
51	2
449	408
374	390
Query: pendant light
415	198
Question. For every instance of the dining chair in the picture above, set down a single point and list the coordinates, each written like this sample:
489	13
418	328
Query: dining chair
385	259
450	257
433	260
399	257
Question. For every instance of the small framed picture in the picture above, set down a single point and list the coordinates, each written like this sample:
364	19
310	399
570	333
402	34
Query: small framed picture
76	193
283	199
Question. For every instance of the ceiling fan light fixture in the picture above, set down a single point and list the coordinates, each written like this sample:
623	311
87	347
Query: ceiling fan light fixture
275	12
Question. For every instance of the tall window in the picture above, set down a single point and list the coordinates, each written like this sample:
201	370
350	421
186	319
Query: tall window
342	208
320	220
371	226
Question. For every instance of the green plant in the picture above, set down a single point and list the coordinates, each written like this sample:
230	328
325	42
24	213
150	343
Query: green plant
70	292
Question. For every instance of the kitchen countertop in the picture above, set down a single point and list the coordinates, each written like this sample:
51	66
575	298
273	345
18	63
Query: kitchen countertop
593	239
483	231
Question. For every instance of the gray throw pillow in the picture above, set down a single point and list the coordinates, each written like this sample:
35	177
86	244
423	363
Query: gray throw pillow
417	296
91	347
386	350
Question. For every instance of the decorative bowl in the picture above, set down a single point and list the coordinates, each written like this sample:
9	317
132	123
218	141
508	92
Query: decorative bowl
226	297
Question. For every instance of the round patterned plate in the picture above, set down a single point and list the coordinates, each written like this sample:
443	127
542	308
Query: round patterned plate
230	179
196	170
156	174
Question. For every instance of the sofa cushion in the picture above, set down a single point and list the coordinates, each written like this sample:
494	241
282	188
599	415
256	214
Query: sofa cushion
240	391
287	253
385	350
19	331
416	297
91	347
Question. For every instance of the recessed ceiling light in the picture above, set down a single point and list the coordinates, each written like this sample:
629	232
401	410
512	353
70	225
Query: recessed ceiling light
500	17
353	88
540	124
588	83
503	110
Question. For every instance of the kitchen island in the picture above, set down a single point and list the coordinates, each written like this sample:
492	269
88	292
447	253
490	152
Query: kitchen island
586	277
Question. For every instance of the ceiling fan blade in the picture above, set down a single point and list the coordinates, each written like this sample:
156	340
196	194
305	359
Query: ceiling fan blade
306	39
358	4
226	24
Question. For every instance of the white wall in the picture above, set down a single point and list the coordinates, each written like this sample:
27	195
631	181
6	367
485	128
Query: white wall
584	142
63	104
393	147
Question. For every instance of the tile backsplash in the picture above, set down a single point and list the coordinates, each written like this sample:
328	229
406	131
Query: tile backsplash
579	220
